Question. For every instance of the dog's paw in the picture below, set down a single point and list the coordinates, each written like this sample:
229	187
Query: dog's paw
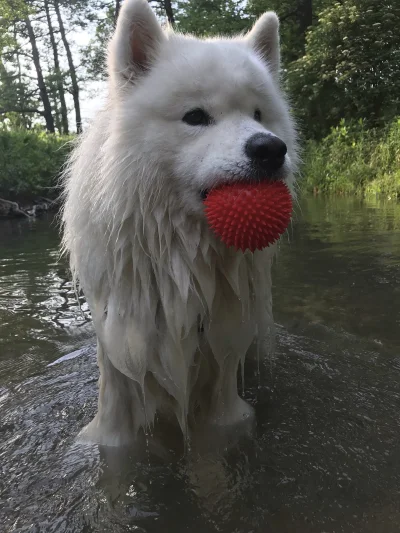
233	413
102	435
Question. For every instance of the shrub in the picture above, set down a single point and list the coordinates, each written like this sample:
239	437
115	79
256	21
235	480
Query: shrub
354	159
30	163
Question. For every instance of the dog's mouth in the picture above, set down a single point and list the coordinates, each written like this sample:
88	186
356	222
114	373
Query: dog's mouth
250	178
205	192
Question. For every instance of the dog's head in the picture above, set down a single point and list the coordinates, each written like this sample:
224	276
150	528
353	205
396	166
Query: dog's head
198	113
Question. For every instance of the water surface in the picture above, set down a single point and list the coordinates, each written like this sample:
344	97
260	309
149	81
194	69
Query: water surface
325	454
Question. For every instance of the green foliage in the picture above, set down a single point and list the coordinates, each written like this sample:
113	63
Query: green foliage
95	53
287	10
341	69
30	162
9	12
350	68
211	17
15	97
354	159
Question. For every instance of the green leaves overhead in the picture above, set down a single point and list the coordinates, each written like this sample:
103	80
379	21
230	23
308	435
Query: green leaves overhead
351	66
341	59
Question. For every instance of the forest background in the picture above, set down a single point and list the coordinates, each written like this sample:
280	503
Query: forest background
341	71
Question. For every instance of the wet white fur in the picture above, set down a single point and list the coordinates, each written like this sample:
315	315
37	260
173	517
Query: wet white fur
151	270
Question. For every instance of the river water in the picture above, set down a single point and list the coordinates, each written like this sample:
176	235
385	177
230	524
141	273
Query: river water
325	455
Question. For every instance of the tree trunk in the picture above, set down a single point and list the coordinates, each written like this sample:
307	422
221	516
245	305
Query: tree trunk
59	81
56	111
42	87
304	17
117	9
169	12
21	93
72	69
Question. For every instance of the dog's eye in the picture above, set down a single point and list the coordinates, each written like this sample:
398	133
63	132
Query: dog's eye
197	117
257	115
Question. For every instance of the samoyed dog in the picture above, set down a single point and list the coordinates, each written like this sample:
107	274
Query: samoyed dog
175	311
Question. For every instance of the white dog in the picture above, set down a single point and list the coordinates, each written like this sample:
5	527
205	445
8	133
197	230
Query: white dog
175	311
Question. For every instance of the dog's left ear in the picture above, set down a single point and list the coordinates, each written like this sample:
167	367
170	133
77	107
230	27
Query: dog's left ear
135	43
264	39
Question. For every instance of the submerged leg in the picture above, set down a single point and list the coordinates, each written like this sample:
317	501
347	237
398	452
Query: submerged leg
228	407
114	423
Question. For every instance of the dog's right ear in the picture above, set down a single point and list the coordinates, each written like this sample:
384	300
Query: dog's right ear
135	44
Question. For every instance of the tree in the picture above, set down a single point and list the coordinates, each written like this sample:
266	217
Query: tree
47	113
350	67
18	103
19	95
211	17
57	71
94	55
71	65
296	18
305	19
169	11
9	12
117	9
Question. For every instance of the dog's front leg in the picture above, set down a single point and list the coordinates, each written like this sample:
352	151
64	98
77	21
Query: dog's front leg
228	408
114	423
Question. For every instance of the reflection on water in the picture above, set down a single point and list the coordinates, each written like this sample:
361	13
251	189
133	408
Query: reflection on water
325	454
39	315
342	267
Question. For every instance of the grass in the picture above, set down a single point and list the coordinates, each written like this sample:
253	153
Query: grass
354	160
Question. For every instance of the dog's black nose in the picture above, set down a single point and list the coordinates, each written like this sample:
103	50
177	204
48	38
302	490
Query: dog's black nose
266	150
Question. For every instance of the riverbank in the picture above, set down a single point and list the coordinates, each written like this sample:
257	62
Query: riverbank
29	209
351	160
30	165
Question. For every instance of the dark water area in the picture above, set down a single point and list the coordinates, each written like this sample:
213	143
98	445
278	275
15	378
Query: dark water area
325	454
40	319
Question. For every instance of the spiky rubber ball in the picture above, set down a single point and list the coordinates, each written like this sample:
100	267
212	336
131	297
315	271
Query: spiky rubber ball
249	216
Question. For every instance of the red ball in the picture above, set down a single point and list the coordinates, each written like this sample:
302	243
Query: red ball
249	216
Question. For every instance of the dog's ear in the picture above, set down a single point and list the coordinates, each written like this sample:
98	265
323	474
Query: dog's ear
264	39
136	41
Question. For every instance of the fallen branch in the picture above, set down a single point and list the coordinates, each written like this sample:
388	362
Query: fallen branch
12	209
